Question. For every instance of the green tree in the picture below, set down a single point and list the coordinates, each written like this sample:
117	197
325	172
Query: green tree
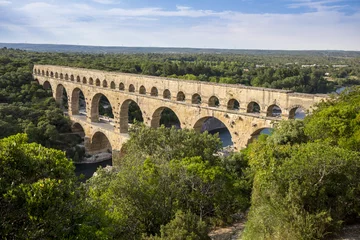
38	192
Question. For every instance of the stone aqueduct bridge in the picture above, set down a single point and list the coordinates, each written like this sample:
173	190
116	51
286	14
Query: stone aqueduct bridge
193	102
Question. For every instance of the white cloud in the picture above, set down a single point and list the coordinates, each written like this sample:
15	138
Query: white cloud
104	1
4	3
43	22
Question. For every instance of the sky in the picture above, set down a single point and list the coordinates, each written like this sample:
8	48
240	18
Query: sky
231	24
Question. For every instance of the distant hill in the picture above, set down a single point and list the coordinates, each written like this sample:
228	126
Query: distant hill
101	49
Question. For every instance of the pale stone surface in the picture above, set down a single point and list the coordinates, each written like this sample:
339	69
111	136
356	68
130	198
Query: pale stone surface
149	94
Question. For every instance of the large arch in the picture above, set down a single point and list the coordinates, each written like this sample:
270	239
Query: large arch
78	129
61	97
129	111
165	116
78	103
273	111
47	85
100	105
297	112
258	132
100	143
214	125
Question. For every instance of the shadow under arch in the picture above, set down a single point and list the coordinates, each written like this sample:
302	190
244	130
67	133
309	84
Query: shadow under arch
61	97
78	129
100	105
165	116
99	143
213	125
129	112
78	103
47	86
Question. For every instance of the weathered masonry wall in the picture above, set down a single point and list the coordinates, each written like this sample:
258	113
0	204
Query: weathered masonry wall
192	101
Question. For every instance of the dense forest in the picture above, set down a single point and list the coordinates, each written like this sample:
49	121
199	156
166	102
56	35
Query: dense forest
308	74
301	182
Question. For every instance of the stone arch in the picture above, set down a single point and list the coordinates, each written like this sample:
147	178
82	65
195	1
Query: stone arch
35	71
165	116
61	76
47	85
127	117
297	112
104	84
38	72
61	96
56	75
84	80
142	90
253	107
196	99
214	125
273	111
121	87
166	94
100	143
233	104
258	132
78	129
77	101
43	72
180	97
47	73
78	79
91	81
72	77
52	74
66	76
214	101
112	85
131	88
95	106
154	92
97	82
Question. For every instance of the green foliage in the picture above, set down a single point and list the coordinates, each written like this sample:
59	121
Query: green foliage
38	194
337	121
25	106
290	131
306	174
185	226
164	172
301	191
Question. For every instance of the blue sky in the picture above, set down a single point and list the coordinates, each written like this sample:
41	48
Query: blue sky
241	24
